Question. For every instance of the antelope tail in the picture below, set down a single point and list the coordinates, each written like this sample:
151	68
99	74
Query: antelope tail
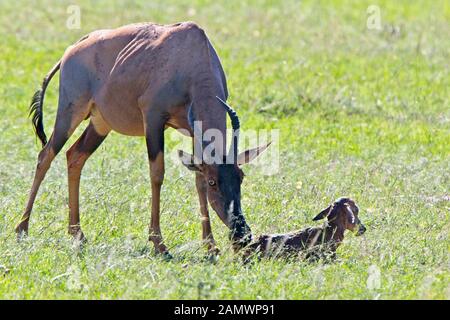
36	106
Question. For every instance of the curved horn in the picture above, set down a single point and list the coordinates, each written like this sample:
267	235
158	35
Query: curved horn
190	117
197	136
233	115
235	124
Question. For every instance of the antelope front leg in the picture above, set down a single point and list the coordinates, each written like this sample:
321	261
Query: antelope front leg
207	235
155	148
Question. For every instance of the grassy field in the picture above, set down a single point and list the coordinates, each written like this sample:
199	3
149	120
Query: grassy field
361	112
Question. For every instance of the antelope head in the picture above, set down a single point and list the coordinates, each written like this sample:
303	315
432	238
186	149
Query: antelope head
223	181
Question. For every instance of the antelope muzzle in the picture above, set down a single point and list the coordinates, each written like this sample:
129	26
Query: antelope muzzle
241	234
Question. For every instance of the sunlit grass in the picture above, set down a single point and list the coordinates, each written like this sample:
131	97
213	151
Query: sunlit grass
361	112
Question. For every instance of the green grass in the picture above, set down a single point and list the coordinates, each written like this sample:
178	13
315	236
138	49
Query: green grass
363	113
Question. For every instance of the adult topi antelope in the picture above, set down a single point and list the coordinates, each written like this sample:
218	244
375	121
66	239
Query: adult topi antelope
138	80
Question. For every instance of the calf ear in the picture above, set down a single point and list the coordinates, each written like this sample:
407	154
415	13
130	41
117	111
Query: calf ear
188	160
324	213
250	154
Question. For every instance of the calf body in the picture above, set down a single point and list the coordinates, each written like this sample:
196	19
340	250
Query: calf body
313	241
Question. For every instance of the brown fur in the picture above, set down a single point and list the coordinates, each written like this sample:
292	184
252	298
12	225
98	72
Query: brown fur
313	241
136	80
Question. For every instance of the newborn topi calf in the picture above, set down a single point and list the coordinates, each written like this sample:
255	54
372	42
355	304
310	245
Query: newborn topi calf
313	242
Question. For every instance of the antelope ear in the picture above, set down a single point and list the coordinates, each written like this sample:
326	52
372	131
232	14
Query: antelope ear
324	213
188	160
250	154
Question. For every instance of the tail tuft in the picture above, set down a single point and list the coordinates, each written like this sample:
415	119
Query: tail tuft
37	116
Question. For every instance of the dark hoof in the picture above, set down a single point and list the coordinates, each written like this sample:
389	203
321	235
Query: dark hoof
78	236
166	256
213	255
212	258
21	233
21	236
214	252
79	241
22	227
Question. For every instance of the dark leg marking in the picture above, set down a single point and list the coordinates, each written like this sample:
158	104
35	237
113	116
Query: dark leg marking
155	148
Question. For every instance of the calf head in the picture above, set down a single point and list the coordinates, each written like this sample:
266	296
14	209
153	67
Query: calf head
343	213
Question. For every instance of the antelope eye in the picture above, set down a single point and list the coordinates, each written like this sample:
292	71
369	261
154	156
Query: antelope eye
211	182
